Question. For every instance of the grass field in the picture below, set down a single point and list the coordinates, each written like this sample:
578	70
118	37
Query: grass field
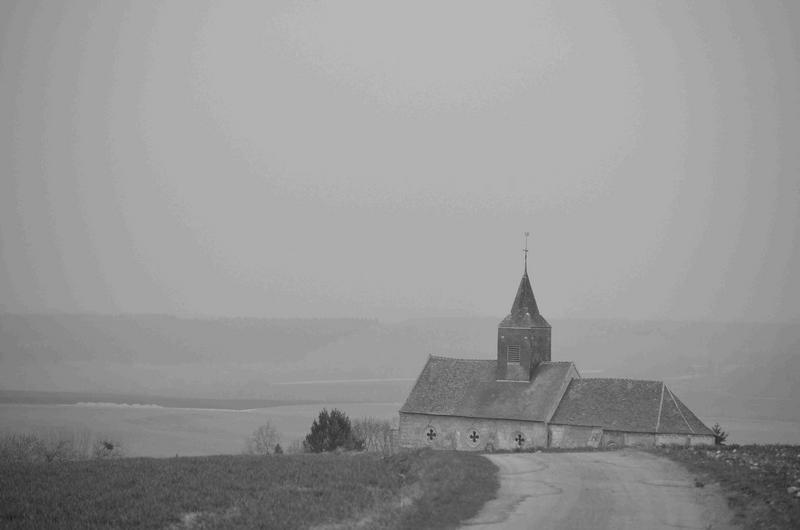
762	482
422	489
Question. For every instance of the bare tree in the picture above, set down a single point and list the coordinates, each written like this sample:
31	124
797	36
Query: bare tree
295	447
377	435
55	445
263	440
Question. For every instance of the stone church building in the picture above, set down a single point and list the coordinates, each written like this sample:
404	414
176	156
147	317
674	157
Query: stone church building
522	399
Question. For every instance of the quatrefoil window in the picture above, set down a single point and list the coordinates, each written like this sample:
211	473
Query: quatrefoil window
430	434
473	437
519	439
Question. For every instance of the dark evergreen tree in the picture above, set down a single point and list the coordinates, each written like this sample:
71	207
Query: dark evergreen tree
719	435
330	431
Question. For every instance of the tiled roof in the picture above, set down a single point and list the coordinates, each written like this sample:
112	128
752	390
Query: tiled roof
697	425
468	388
626	405
524	311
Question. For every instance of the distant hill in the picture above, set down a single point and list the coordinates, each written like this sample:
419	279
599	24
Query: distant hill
162	339
746	369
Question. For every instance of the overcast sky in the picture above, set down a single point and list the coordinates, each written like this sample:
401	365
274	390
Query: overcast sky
376	159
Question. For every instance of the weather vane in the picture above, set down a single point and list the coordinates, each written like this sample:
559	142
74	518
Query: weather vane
525	252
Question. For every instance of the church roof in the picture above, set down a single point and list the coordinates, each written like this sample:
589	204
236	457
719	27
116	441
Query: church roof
626	405
524	311
468	388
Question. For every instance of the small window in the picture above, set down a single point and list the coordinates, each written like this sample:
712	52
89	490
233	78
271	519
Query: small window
512	354
430	434
473	437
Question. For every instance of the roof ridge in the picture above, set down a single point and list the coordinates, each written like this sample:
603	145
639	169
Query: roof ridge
432	356
660	406
621	379
680	411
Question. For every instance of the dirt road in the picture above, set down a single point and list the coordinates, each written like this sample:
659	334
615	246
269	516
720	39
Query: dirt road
624	489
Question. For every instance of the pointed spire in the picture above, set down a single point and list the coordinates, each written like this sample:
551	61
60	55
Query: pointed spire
525	302
524	310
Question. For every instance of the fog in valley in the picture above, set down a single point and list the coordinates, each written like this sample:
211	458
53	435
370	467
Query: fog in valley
212	214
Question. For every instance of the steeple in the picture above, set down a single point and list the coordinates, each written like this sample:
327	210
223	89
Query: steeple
523	337
524	310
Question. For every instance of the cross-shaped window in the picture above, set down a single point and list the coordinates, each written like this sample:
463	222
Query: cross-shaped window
474	437
431	434
520	439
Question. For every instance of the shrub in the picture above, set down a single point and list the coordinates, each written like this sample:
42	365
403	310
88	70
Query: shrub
263	441
330	431
105	447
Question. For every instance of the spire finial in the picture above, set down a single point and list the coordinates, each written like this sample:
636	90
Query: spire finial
525	253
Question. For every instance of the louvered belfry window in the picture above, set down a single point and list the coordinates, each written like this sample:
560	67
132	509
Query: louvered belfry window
512	354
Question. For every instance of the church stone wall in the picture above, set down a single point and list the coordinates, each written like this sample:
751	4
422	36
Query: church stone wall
571	436
684	439
672	439
640	439
701	439
453	432
612	439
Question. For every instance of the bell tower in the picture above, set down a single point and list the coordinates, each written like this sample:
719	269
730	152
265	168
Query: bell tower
523	337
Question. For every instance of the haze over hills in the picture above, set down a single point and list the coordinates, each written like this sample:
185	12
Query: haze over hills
723	369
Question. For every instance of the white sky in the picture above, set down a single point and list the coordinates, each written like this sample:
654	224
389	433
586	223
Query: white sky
378	159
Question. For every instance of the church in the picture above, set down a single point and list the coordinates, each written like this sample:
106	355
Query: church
523	400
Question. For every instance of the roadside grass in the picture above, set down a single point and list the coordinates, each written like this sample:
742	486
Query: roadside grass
454	486
419	489
762	482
